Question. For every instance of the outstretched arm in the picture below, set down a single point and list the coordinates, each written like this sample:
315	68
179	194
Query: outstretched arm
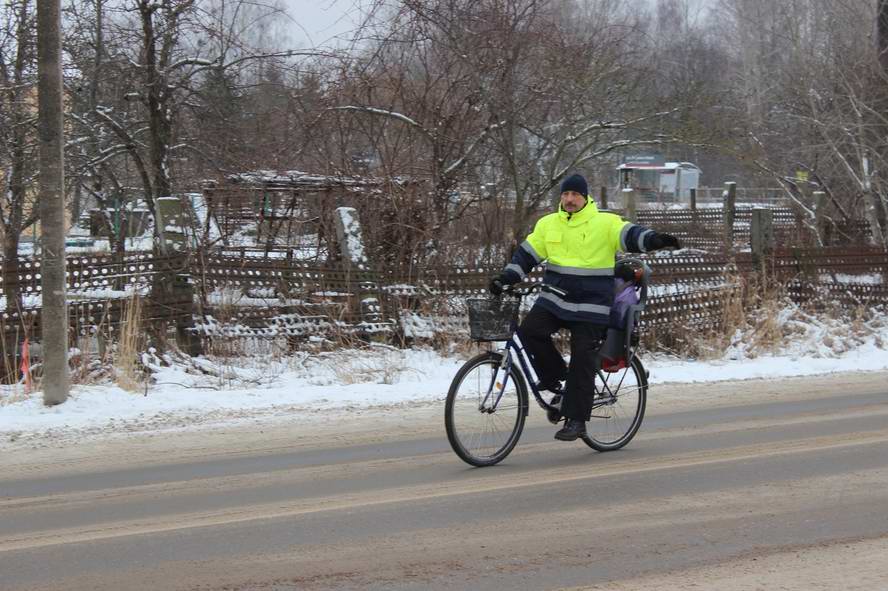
636	238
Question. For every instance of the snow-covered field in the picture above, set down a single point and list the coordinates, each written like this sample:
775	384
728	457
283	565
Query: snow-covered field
342	382
306	388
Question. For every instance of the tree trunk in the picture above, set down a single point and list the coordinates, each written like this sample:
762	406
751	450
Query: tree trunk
157	102
872	205
117	240
159	136
882	35
12	339
875	203
12	231
872	216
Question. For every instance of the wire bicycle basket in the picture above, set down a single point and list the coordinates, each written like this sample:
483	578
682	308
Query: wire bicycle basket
492	319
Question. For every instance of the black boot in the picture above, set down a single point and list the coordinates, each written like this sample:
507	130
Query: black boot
553	386
554	415
572	430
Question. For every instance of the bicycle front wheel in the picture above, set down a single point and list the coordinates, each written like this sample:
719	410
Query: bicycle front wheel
618	409
482	434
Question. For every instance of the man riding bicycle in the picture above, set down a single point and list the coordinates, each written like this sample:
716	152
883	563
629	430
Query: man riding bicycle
579	244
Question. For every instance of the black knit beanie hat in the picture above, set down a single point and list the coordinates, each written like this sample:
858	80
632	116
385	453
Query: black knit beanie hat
575	182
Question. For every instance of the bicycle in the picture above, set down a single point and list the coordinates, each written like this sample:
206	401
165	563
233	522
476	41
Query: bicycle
487	403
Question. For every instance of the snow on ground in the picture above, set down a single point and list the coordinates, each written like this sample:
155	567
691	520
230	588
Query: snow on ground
305	388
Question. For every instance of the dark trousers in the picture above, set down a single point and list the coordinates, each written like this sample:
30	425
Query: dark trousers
585	338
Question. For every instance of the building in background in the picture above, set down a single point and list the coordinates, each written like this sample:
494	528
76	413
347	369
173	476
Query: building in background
657	180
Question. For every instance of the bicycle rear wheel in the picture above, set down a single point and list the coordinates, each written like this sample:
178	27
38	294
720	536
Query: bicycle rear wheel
620	399
477	435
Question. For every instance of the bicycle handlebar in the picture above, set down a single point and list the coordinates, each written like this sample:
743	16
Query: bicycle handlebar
521	289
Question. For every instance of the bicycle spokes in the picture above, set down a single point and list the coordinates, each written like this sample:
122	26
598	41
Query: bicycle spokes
485	410
499	381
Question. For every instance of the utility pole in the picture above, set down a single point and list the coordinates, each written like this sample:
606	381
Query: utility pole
54	313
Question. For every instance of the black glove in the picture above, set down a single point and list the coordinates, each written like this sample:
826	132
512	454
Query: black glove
496	285
658	241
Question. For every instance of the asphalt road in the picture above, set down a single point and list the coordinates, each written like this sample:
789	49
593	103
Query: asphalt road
756	492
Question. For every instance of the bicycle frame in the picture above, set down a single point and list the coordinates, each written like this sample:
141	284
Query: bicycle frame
515	349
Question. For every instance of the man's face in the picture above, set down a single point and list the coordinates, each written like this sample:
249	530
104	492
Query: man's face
572	202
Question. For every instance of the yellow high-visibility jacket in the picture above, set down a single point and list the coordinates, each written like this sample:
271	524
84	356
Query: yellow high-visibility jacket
579	251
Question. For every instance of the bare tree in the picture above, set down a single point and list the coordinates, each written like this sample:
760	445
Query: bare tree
19	117
807	96
436	119
502	99
152	61
18	151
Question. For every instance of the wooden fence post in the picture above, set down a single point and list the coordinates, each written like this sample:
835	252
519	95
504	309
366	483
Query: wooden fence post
176	288
762	235
170	214
693	200
351	247
603	198
729	197
820	203
351	242
629	205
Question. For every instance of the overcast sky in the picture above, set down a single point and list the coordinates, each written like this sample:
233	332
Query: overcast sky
317	23
320	22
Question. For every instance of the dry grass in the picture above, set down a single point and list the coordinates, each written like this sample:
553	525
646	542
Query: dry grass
370	364
12	359
93	361
759	318
761	327
749	308
87	366
131	342
225	313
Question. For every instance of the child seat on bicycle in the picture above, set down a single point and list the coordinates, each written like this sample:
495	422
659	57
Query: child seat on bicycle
630	277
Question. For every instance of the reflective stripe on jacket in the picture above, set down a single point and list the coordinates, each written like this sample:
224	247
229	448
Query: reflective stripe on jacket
580	251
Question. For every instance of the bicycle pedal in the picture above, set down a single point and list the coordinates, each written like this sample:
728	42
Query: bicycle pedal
554	416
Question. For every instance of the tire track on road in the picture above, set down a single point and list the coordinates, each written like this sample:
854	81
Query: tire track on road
484	482
342	470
